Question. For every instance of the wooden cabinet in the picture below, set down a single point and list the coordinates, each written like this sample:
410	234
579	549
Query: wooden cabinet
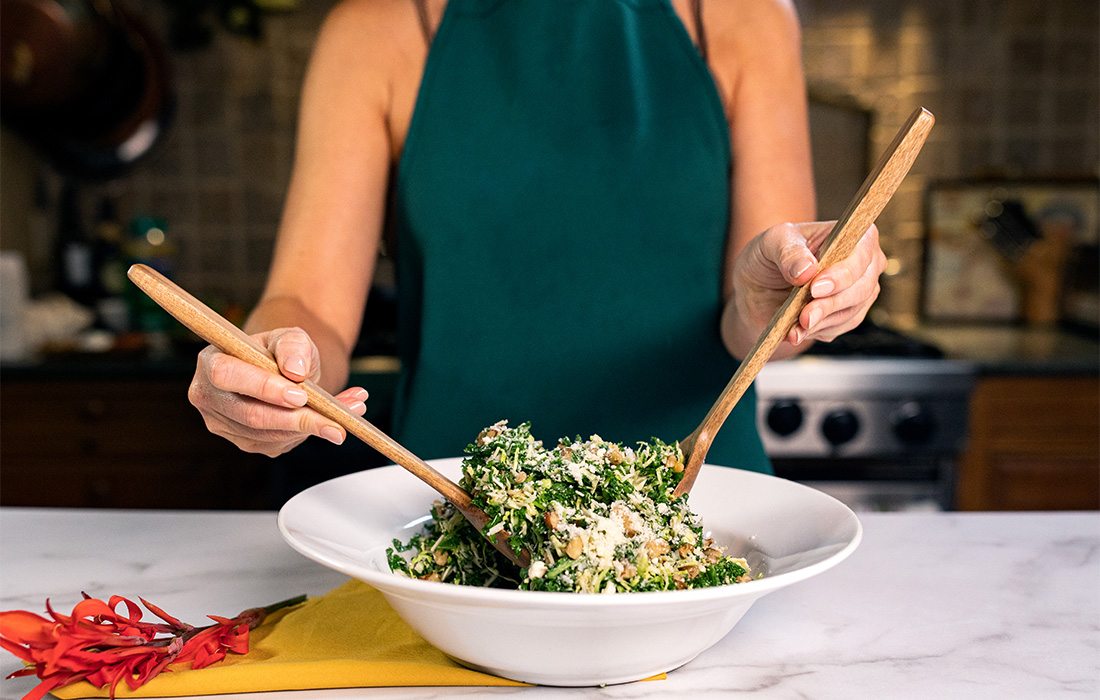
123	435
1034	444
133	443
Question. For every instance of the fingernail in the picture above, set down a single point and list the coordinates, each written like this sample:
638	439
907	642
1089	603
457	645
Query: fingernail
821	287
295	396
799	267
296	365
815	316
798	335
332	434
357	407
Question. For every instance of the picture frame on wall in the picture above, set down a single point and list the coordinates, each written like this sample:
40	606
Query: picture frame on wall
1012	251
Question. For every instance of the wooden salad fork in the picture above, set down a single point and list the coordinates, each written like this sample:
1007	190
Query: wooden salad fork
862	211
216	330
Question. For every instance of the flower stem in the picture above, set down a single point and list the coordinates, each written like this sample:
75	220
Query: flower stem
288	603
254	617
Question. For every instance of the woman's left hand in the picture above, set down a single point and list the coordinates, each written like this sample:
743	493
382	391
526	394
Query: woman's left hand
783	257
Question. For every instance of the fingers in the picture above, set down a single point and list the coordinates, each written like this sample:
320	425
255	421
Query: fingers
843	293
260	411
256	426
249	439
844	274
354	398
259	422
827	318
228	374
785	256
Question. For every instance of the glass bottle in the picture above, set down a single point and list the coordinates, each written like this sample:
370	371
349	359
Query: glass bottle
73	256
112	309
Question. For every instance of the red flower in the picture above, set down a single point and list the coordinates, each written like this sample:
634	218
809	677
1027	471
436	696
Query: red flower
98	644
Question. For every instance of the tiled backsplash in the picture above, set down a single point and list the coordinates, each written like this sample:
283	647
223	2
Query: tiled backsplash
1014	84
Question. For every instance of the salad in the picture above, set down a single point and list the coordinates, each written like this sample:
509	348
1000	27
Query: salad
595	516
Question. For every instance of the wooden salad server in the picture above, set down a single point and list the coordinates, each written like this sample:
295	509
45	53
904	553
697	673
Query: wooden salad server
216	330
862	211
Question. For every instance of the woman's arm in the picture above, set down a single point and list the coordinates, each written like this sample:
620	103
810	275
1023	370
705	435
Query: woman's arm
769	128
311	309
332	221
758	65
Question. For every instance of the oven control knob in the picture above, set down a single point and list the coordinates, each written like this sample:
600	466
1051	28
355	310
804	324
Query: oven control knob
914	424
840	426
785	417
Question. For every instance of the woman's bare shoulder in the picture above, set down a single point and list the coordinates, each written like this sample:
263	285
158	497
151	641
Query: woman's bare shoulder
370	54
374	28
752	23
747	39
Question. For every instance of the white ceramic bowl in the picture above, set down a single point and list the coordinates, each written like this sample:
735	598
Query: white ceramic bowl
787	531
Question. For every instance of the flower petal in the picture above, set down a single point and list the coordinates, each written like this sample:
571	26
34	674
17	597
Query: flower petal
96	609
174	622
132	609
24	627
49	684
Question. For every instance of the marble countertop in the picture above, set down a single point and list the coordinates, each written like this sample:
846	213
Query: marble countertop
930	605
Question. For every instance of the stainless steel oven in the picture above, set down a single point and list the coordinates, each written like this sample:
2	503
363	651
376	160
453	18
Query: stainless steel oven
876	419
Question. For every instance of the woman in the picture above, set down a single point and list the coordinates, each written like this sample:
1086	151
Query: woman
588	199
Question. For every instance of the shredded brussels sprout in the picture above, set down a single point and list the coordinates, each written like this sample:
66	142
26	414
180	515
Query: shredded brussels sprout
596	517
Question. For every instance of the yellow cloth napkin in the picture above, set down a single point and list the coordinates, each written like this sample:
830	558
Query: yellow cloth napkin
347	638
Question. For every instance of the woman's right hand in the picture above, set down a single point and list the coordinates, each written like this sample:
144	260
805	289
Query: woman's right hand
263	412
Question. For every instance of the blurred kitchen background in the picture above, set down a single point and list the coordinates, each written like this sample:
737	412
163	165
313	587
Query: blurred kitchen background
974	385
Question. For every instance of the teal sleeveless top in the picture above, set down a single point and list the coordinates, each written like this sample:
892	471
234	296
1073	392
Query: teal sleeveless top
561	210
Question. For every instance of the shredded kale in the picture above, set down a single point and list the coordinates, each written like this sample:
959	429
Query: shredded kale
596	517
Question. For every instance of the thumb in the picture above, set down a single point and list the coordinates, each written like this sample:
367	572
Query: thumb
295	354
792	255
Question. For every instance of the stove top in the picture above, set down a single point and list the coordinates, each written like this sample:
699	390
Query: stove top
872	393
872	340
876	410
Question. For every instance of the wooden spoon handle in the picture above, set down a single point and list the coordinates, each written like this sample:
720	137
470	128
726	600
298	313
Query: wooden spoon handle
862	211
216	330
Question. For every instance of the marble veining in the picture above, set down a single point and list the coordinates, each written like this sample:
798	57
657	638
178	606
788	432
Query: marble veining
930	605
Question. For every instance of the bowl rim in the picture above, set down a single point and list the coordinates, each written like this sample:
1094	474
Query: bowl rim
394	583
